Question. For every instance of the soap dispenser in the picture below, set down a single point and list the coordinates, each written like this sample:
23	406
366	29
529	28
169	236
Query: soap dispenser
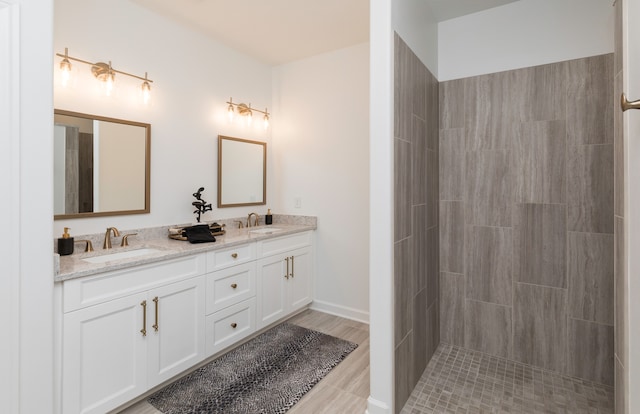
268	218
65	243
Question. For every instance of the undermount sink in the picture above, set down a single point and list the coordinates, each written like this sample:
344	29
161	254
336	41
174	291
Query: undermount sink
121	255
265	230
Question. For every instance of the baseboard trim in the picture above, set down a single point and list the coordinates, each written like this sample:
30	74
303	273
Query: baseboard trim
342	311
376	407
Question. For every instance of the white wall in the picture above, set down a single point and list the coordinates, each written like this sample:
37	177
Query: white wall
193	78
381	296
26	162
522	34
416	25
321	145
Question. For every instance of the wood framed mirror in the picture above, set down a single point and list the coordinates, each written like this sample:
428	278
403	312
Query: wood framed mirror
242	172
101	166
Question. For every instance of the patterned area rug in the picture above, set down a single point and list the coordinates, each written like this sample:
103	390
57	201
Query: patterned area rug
268	374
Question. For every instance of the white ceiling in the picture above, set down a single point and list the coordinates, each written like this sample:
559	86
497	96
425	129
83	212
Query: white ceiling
274	31
281	31
449	9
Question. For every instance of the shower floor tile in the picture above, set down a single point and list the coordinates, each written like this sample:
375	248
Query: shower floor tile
458	380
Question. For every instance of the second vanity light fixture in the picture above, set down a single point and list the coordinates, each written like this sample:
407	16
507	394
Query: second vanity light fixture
247	112
103	72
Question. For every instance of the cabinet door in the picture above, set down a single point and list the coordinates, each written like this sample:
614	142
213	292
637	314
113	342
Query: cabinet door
272	296
104	355
299	284
175	328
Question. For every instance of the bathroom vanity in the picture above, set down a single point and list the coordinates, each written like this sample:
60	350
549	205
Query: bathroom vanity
129	325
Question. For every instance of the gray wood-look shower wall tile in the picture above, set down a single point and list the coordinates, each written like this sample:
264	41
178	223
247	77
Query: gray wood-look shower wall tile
539	162
589	116
540	244
451	96
489	99
402	188
487	328
404	289
452	164
545	92
420	173
590	352
421	340
433	265
419	245
489	188
590	267
452	236
433	188
404	371
590	188
540	326
452	300
419	92
488	264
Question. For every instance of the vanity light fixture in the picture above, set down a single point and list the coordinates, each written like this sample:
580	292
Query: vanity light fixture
65	67
103	72
246	111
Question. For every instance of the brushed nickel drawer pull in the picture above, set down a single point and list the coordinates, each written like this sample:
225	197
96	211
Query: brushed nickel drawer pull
234	255
234	325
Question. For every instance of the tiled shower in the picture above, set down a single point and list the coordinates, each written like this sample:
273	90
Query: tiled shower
524	199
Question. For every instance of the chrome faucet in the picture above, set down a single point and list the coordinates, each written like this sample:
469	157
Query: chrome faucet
255	222
107	237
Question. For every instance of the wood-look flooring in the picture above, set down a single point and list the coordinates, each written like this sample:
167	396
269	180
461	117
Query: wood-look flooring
344	390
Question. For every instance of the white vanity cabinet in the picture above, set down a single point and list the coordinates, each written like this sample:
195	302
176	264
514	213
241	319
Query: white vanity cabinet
126	331
285	275
231	296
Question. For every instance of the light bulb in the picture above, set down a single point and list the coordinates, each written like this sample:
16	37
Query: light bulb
230	112
249	118
109	83
266	121
65	67
146	92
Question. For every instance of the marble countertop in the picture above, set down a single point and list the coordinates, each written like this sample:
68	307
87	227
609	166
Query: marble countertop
73	266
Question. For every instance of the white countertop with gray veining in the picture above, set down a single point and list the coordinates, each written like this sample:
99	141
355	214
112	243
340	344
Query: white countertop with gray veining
73	266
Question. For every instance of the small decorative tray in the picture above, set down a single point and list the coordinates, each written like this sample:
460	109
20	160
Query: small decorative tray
177	233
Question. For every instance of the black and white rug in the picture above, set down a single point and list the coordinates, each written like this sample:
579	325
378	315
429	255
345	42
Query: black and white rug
268	374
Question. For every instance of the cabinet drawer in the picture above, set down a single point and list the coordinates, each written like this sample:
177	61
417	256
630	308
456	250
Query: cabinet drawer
221	259
283	244
230	325
87	291
230	286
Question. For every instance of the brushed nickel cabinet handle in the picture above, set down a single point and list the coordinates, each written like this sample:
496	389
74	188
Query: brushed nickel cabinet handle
286	275
143	331
155	300
234	255
625	104
234	325
292	273
234	285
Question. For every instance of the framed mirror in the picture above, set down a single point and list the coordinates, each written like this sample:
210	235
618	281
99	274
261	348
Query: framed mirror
242	172
101	166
